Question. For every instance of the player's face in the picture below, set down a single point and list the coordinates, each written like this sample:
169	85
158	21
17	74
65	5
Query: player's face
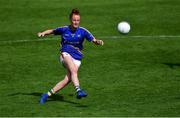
75	20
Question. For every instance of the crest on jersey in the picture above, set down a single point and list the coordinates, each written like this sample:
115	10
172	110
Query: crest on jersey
79	36
72	35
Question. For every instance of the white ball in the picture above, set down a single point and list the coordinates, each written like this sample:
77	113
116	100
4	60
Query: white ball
124	27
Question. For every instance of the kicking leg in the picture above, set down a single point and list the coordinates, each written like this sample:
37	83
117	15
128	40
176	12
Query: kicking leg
63	83
56	88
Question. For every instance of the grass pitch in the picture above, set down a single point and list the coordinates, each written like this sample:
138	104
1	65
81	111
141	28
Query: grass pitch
128	76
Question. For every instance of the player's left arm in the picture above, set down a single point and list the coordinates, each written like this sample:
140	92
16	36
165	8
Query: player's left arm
97	42
91	38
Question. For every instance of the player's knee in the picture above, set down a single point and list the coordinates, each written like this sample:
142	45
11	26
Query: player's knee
66	80
73	71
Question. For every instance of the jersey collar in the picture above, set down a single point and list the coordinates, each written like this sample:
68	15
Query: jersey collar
73	31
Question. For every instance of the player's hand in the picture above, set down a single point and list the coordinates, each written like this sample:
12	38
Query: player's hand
100	42
41	34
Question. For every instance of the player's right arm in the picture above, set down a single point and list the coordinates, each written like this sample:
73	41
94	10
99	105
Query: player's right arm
57	31
46	32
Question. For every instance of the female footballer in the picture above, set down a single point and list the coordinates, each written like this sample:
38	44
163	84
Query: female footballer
72	38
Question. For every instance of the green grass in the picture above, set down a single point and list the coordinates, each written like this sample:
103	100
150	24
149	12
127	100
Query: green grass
125	77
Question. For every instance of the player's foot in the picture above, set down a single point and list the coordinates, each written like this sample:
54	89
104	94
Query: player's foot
43	98
81	94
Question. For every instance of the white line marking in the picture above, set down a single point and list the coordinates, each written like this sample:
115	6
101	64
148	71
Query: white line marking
22	41
98	37
140	36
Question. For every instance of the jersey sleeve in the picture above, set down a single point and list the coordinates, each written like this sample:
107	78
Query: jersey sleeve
58	31
88	36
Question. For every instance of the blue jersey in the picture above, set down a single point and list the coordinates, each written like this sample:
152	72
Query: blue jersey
72	41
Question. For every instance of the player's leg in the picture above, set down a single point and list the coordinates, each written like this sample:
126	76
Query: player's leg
56	88
67	60
63	83
72	69
71	65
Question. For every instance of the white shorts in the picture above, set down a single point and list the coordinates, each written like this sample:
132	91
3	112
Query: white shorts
76	62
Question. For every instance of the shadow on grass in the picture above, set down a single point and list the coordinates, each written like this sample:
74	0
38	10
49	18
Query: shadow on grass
55	97
172	65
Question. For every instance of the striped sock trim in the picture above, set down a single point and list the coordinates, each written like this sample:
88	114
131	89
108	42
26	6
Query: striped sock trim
77	88
51	92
